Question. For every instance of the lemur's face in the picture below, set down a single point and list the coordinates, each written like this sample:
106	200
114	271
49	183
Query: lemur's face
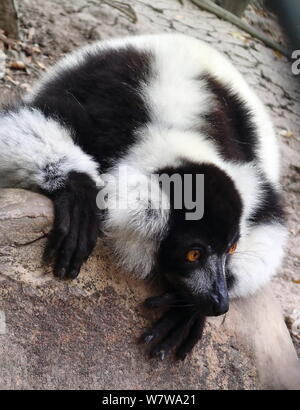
196	267
194	254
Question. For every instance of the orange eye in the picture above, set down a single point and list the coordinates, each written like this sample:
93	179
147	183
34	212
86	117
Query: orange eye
193	255
232	249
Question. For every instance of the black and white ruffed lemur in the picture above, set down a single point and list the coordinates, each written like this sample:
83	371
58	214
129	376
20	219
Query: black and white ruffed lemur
156	104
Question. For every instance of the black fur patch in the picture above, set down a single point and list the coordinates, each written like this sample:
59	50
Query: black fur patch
229	123
212	236
220	223
53	176
271	207
100	100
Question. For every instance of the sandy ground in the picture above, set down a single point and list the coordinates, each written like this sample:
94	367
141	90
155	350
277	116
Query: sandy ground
51	28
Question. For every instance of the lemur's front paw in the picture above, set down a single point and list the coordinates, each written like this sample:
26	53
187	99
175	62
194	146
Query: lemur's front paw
178	330
75	229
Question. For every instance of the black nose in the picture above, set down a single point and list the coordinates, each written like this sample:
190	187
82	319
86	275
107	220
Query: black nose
219	297
219	304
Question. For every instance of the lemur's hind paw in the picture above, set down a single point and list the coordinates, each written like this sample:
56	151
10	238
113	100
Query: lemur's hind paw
75	228
178	330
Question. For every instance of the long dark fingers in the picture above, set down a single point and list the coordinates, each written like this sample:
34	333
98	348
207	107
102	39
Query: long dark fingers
86	240
75	227
68	247
178	330
61	226
173	339
161	328
194	335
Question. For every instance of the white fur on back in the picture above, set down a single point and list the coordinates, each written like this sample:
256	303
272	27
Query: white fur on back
173	95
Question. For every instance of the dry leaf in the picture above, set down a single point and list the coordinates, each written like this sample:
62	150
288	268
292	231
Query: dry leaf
278	54
239	35
287	133
11	80
36	49
41	65
17	65
297	281
32	49
31	33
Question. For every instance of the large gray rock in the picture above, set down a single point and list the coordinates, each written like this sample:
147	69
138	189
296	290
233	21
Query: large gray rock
83	334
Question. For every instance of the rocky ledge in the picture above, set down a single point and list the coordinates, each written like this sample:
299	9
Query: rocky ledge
83	334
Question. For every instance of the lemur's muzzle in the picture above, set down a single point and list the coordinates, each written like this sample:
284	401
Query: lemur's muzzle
218	299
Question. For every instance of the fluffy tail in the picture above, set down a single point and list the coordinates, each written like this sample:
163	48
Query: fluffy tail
38	152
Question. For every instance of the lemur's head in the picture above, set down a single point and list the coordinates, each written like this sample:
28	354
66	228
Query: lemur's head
192	255
188	242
